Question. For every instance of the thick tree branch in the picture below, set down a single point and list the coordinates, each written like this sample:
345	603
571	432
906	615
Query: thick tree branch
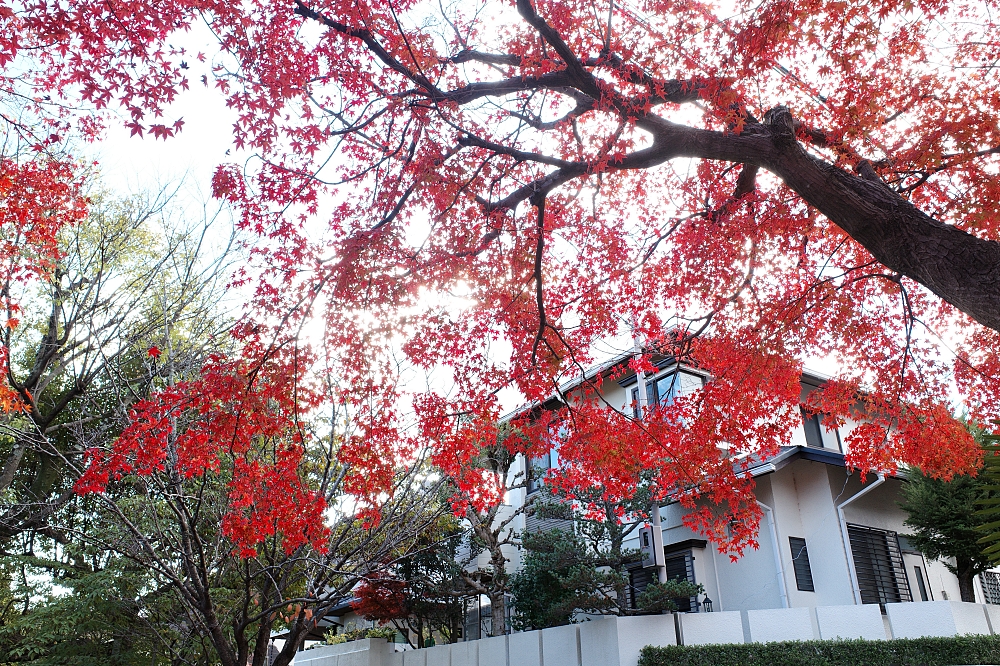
478	90
582	79
373	45
961	268
470	55
537	275
957	266
519	155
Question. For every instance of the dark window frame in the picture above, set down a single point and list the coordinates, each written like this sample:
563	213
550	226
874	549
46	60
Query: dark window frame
989	583
680	566
878	565
654	385
800	564
812	424
536	477
921	586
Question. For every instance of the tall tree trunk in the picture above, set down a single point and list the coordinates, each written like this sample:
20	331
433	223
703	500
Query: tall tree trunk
966	574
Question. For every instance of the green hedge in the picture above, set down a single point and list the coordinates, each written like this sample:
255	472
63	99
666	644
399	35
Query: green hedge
899	652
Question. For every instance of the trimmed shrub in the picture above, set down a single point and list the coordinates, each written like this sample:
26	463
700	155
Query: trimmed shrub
899	652
349	635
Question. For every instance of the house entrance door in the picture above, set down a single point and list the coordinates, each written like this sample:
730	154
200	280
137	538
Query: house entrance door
916	572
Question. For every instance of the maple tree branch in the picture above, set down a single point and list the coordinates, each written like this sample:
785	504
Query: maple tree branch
747	182
519	155
900	236
539	202
952	160
582	107
677	91
584	80
479	89
471	55
368	38
392	214
954	264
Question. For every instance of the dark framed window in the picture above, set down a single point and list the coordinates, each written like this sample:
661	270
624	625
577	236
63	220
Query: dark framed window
800	565
638	579
680	566
664	389
921	587
538	469
814	430
906	545
878	563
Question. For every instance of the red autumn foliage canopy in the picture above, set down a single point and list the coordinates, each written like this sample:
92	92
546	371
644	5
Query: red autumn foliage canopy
38	196
789	179
382	599
233	415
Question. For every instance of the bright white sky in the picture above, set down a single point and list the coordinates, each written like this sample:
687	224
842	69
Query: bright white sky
132	164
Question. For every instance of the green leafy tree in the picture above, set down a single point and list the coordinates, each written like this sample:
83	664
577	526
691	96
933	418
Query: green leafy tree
422	594
583	566
129	277
989	506
437	590
945	525
562	575
100	610
129	280
659	597
559	576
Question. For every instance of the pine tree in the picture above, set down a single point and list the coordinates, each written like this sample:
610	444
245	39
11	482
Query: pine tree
942	515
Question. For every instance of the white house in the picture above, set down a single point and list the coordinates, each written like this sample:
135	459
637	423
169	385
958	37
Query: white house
826	538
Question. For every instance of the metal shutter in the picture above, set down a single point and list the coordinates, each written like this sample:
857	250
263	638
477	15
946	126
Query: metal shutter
878	564
800	564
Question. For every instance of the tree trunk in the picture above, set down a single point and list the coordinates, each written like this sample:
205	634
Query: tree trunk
966	574
291	647
498	610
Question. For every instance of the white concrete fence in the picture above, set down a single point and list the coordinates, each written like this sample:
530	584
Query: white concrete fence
617	641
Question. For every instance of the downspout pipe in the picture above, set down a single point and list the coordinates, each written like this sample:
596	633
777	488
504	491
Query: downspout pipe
847	541
778	567
658	556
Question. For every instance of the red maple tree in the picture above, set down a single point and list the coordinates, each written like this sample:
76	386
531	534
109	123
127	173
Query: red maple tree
38	196
775	180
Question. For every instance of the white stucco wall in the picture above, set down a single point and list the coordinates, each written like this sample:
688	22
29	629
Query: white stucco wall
877	508
943	583
616	395
751	582
803	507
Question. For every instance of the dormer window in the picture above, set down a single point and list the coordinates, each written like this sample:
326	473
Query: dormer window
539	469
813	427
663	389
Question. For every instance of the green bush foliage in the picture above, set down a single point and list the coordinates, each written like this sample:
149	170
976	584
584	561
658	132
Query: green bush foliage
662	596
388	633
900	652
